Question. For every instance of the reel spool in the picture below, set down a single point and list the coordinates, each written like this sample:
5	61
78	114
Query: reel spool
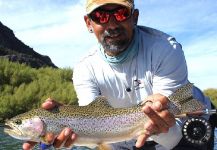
197	130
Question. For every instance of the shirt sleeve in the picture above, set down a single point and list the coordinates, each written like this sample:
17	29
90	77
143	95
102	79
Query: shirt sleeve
169	67
85	87
171	139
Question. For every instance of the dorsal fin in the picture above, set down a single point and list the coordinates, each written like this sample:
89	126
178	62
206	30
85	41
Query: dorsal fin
100	101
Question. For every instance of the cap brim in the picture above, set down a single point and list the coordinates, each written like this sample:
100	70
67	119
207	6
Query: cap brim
97	5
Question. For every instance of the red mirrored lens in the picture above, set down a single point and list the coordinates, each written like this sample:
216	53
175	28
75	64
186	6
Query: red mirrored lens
102	16
122	14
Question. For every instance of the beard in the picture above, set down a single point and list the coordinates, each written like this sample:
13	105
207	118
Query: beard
114	40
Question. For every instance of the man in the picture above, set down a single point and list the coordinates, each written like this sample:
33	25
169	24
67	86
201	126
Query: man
131	63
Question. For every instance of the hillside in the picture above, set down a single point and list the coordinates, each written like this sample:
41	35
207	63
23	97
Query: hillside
16	51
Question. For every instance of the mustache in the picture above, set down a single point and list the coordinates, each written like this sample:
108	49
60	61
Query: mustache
111	32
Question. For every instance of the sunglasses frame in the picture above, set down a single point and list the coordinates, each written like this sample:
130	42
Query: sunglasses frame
110	13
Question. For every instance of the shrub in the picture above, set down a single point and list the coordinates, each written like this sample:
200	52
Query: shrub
23	88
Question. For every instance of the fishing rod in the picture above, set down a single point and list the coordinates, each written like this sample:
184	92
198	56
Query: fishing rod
197	113
196	129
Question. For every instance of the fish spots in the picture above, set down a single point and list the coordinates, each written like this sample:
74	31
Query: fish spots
182	100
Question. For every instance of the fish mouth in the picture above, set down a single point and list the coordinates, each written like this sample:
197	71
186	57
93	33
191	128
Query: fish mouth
6	126
11	130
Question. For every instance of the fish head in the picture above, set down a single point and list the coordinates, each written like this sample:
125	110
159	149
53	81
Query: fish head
25	128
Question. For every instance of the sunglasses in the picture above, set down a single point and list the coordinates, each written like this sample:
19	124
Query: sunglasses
101	16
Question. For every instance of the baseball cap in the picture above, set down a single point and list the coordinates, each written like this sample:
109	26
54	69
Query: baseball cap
91	5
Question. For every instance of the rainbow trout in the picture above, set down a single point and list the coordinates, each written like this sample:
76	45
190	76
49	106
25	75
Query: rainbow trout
95	124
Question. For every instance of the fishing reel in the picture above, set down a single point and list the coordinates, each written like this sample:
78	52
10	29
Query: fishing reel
197	130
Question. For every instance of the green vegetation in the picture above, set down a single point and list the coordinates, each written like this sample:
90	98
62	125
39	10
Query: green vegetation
212	94
23	88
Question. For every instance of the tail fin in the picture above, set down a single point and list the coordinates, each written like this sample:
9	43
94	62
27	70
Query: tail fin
182	99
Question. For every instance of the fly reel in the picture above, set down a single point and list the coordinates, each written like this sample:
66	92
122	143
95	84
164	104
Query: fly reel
197	130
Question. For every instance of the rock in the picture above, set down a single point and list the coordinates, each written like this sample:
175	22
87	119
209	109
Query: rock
15	50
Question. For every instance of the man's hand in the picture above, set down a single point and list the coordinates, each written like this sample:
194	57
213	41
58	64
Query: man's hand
65	138
160	119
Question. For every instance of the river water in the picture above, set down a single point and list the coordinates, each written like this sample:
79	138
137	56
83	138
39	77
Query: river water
9	143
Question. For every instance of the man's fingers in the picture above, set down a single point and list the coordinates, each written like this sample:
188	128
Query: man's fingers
49	137
141	140
159	102
50	104
150	128
155	119
62	137
163	113
158	106
28	145
70	141
168	118
159	118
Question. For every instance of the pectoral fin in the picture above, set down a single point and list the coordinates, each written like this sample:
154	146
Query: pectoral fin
104	146
48	138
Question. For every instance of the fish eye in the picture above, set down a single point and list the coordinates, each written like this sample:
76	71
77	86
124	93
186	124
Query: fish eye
18	122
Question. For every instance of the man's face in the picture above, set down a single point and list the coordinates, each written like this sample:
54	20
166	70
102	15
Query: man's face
113	35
